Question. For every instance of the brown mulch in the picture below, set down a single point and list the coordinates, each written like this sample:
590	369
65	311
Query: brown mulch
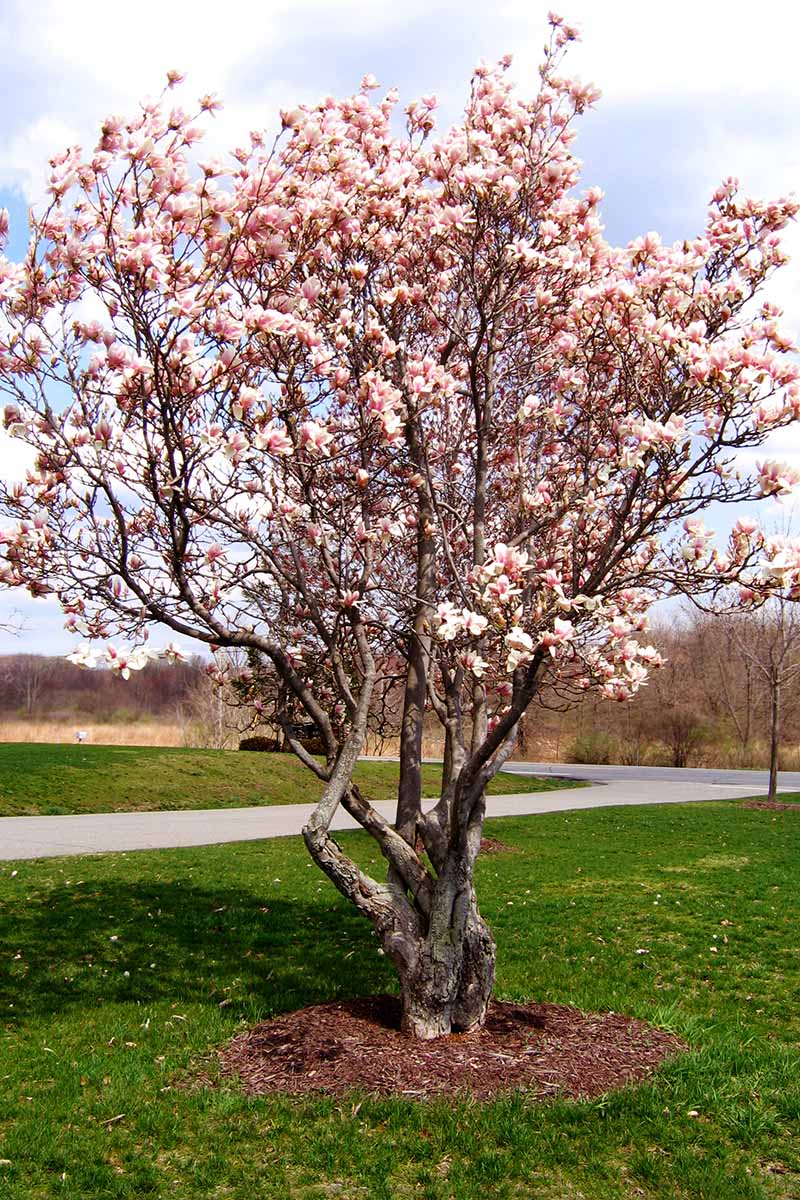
772	805
546	1049
493	846
488	846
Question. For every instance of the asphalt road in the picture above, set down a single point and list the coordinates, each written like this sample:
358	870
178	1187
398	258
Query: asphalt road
45	837
789	781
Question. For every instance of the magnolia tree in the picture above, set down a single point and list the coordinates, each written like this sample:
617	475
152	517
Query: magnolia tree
377	402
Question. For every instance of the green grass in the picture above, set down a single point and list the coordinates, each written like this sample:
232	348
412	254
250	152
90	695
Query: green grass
120	974
50	780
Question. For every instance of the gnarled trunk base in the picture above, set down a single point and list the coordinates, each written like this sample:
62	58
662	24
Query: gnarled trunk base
450	986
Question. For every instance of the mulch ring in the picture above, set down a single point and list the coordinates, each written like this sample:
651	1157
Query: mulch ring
493	846
772	805
546	1049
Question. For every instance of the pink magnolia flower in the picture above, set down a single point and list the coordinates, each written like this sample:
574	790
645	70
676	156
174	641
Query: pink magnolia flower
314	436
83	656
501	591
450	622
507	561
745	526
103	431
777	478
474	624
520	648
392	424
210	103
311	288
244	402
122	661
275	440
173	653
235	445
472	662
561	633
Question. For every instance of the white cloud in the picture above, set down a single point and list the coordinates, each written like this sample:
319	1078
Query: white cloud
24	157
110	58
16	458
633	49
119	50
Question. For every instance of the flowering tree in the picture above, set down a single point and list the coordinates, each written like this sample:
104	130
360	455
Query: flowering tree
370	404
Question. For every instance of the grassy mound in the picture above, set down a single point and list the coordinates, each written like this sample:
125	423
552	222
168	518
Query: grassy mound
44	780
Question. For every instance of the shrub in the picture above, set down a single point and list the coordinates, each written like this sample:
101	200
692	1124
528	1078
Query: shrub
314	745
268	745
596	747
123	716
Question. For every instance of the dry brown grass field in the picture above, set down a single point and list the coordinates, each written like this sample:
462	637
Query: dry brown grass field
134	733
149	733
175	733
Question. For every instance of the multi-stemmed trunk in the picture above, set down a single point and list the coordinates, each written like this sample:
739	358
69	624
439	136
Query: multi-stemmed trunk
426	914
446	981
429	925
427	921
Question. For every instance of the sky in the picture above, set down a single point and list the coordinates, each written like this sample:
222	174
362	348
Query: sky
693	91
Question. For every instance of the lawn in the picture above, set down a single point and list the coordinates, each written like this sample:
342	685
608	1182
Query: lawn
120	974
37	779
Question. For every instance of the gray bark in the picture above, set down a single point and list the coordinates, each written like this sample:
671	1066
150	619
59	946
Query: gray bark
450	982
775	737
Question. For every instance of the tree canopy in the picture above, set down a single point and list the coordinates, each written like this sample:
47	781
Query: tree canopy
385	407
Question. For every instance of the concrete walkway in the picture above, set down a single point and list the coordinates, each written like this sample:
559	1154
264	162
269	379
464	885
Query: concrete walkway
44	837
788	781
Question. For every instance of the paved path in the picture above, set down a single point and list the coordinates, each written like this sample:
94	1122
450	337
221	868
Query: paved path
789	781
43	837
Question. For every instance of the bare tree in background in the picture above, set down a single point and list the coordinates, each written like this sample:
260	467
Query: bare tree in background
733	675
716	678
768	641
29	675
212	714
672	709
13	623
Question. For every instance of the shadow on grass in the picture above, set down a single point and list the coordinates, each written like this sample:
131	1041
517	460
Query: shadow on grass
122	942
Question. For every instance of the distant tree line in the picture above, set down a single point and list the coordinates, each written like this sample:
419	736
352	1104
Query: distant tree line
49	687
727	695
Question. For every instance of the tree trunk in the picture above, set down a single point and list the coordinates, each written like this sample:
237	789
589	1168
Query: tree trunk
447	983
775	739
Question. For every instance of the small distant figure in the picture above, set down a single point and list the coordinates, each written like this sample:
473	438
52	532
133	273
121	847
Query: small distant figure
81	735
